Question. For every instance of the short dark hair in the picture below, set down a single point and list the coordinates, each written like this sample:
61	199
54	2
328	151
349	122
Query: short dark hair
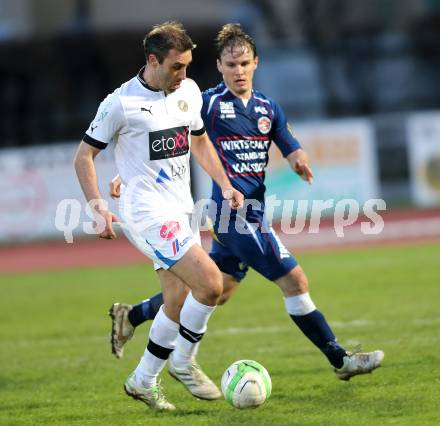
233	35
164	37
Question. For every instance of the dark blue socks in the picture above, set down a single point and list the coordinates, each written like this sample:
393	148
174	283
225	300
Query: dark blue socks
145	310
313	325
316	328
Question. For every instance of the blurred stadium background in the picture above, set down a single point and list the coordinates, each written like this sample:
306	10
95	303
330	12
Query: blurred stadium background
359	81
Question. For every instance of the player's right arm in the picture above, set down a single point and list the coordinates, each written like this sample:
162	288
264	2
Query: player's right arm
86	172
106	125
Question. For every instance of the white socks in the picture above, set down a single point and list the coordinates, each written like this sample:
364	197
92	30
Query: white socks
193	324
166	335
299	305
163	333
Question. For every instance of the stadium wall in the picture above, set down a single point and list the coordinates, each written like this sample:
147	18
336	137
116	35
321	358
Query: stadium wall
423	138
344	160
35	180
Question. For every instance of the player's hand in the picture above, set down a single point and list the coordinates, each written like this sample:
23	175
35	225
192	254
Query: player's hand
115	187
235	198
106	220
304	171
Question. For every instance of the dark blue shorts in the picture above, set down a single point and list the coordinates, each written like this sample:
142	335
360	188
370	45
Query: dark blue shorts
234	252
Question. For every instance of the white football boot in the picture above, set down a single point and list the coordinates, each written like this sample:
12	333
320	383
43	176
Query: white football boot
195	380
356	363
122	330
153	396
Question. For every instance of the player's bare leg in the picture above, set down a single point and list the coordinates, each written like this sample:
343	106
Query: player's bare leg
142	384
174	293
230	286
195	312
180	325
125	318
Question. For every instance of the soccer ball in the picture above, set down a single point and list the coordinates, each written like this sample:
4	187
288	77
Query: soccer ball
246	384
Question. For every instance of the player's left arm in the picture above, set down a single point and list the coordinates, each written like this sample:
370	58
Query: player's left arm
299	161
286	141
206	155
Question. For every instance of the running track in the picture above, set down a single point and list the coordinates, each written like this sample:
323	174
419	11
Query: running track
401	227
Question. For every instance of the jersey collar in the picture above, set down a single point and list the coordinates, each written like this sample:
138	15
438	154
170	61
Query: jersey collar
143	82
234	96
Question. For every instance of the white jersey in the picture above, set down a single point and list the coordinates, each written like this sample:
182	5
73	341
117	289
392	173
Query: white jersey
152	135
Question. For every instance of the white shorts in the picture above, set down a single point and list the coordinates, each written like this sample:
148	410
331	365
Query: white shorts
163	237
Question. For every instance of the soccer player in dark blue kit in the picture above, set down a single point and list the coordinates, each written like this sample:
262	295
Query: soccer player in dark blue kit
242	123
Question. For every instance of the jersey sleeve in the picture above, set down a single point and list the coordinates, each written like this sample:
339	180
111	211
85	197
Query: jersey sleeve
282	134
197	126
107	123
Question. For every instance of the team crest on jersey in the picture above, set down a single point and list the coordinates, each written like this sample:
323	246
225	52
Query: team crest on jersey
227	110
183	106
264	124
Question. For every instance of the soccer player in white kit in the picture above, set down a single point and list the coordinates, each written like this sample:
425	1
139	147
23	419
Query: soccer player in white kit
154	119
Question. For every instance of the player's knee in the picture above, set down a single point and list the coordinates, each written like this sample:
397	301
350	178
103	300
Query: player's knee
212	294
213	288
224	298
294	283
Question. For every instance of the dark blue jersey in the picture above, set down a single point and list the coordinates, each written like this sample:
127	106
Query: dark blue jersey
242	136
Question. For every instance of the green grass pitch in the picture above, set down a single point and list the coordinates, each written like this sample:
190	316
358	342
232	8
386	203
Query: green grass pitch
57	369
